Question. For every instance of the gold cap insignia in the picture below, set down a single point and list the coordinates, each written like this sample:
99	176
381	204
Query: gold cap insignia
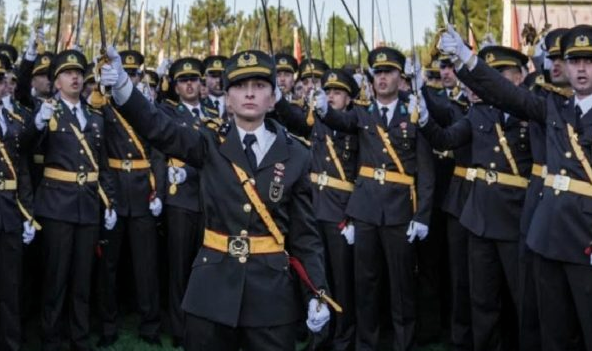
246	60
187	66
72	58
435	64
45	60
283	61
217	64
129	59
381	57
310	67
581	41
332	78
557	42
490	57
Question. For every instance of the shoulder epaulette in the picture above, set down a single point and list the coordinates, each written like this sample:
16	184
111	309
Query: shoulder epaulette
16	117
362	103
435	85
565	92
212	123
95	110
224	129
171	102
302	140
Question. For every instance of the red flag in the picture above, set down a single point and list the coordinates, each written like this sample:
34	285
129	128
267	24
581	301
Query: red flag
515	31
297	49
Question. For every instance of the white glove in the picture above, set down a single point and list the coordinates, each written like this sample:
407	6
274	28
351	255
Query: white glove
45	114
321	102
547	64
349	232
28	232
318	315
155	207
113	74
417	230
413	71
358	77
419	102
31	53
163	68
177	175
278	94
452	44
110	219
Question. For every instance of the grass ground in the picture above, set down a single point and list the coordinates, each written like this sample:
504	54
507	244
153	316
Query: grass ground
129	340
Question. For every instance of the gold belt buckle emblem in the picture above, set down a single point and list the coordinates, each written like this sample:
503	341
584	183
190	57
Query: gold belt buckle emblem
491	177
126	165
380	175
81	178
561	183
239	247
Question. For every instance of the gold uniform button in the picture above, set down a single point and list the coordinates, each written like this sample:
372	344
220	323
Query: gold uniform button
563	172
496	149
247	208
81	168
568	154
492	165
244	233
129	155
242	259
82	152
384	150
328	159
252	181
205	259
130	140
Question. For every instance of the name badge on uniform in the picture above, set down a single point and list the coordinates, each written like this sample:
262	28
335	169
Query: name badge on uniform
276	188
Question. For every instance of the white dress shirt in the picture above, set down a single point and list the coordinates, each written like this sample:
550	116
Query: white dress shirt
7	103
79	113
585	104
3	126
265	139
391	110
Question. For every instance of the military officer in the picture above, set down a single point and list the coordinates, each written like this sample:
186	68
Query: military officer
559	231
214	68
183	208
241	292
16	224
76	182
310	72
447	106
391	202
286	67
500	167
139	180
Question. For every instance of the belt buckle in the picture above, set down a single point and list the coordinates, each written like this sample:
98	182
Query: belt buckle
239	247
323	180
380	175
544	172
561	183
490	177
81	178
126	165
2	184
471	174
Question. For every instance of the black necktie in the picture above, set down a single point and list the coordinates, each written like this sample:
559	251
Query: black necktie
383	116
249	140
578	112
217	104
195	112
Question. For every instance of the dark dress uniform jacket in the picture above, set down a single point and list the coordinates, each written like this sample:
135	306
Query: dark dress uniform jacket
330	203
132	188
68	201
560	227
388	204
492	211
446	112
187	195
262	291
10	216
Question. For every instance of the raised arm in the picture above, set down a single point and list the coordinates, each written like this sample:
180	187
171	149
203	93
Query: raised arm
453	137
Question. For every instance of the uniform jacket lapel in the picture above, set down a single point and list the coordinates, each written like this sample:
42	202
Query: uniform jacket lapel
232	149
278	152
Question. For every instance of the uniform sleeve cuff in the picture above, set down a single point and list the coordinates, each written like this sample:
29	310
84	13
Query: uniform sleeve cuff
123	93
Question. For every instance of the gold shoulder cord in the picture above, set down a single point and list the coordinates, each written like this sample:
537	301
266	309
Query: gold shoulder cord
507	152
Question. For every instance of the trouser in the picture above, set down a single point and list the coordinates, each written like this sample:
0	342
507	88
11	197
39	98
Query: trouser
384	250
565	304
460	316
340	271
528	316
204	335
68	253
185	237
431	259
141	233
11	250
493	267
